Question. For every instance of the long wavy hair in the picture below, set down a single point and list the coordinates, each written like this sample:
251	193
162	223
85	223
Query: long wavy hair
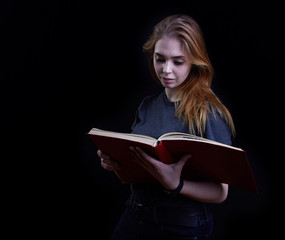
195	95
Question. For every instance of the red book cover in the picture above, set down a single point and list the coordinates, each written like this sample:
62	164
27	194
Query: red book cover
210	161
213	162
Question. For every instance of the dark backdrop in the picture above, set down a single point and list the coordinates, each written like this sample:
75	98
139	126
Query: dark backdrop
68	66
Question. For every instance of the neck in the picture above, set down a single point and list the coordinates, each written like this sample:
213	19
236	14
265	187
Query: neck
171	94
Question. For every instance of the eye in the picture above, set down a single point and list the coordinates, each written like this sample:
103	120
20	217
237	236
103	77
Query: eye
160	60
178	63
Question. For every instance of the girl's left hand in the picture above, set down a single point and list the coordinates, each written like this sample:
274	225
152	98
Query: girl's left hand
167	174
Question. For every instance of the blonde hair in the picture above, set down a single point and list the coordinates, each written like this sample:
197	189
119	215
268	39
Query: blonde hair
195	94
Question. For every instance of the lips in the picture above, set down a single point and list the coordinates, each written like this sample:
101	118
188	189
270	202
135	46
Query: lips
167	80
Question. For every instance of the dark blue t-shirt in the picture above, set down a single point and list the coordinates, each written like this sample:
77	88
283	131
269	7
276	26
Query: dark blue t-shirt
156	116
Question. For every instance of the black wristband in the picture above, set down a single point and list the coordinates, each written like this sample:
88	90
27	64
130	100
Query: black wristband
176	191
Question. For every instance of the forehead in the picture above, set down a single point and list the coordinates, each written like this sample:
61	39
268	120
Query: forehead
169	47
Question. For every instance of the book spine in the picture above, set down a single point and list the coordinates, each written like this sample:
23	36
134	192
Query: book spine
163	153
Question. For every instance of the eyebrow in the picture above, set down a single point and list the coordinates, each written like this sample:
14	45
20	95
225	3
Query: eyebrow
160	55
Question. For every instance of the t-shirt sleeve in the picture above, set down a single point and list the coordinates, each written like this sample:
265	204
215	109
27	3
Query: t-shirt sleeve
139	114
217	129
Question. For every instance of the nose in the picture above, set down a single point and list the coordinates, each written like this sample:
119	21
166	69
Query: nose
166	67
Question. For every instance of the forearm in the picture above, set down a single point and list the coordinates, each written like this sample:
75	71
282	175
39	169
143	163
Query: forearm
169	175
207	192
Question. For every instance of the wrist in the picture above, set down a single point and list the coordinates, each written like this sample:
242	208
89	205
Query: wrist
175	191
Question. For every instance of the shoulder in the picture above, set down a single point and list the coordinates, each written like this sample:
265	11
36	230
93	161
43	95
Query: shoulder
150	100
146	104
217	128
146	112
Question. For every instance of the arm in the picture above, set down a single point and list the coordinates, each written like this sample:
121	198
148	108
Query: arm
208	192
169	176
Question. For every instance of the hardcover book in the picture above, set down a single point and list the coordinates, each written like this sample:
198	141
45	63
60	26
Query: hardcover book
210	161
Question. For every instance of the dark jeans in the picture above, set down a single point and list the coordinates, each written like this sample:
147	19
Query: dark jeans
139	223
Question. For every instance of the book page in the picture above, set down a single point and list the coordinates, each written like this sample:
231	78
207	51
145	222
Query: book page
179	135
127	136
185	136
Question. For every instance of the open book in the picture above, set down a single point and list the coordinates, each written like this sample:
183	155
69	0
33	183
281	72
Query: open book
210	161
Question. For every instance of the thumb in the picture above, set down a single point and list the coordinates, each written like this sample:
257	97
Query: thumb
183	160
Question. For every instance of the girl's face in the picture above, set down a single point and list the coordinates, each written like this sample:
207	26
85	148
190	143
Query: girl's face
171	64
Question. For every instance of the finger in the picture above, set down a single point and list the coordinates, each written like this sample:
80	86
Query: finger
183	160
108	161
107	167
141	152
147	158
138	156
102	155
110	164
147	161
135	153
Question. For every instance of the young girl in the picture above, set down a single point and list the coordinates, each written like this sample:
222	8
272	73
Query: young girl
176	208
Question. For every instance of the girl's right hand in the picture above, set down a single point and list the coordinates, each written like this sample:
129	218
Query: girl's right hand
107	163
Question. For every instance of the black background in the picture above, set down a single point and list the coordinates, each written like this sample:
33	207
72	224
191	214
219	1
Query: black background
68	66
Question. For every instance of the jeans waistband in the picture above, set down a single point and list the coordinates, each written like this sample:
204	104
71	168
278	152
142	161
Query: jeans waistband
173	216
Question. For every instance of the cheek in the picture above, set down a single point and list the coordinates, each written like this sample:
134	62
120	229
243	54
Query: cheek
157	68
183	73
186	71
